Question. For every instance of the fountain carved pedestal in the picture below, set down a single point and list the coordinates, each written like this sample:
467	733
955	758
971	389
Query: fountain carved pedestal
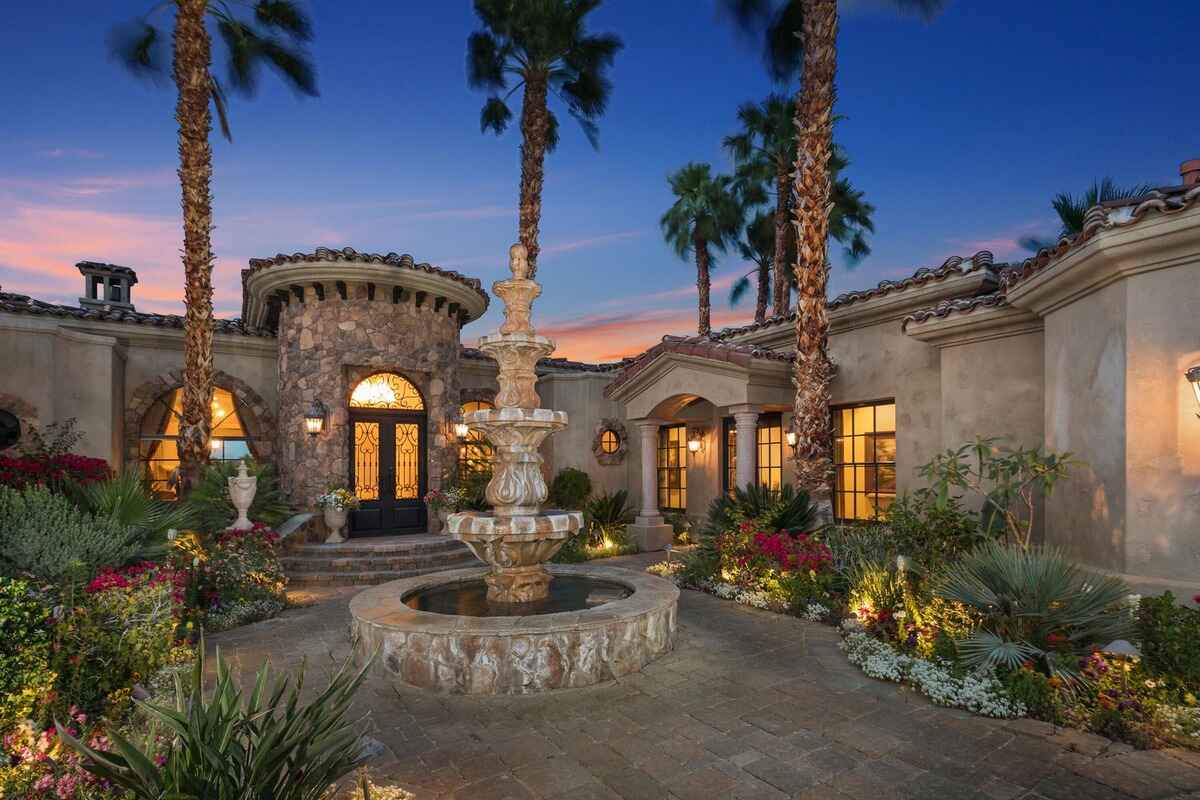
516	539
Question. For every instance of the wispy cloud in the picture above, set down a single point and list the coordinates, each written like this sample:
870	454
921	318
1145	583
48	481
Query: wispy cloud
87	186
482	212
591	241
608	337
1006	244
69	153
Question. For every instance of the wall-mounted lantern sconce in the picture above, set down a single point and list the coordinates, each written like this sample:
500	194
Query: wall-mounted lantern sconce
314	417
462	430
791	439
695	442
1193	376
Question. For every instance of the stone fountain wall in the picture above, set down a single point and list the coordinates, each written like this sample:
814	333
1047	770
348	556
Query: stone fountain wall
326	346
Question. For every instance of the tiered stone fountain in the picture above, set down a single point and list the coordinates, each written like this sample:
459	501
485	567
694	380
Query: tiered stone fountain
515	539
517	625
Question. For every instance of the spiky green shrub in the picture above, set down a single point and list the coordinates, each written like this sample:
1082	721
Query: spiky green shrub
783	510
239	747
608	514
213	511
127	499
570	489
44	535
1035	605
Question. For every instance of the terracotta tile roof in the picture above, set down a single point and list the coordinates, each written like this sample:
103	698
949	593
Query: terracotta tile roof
963	305
955	265
475	354
23	304
1114	214
703	346
100	266
349	254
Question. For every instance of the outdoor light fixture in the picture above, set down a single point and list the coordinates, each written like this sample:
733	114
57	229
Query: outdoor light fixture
314	417
791	439
1193	376
695	440
462	430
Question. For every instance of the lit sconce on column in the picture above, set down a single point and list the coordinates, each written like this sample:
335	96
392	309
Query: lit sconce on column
696	440
791	439
462	430
314	417
1193	376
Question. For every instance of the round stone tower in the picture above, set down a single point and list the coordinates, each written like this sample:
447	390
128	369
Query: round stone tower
374	339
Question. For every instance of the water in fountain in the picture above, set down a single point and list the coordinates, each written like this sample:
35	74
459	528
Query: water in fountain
517	537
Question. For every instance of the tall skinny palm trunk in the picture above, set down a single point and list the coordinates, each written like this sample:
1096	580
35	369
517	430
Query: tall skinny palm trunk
764	291
780	288
535	126
703	285
813	370
192	58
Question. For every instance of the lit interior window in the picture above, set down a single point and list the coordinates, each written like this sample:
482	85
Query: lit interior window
864	455
159	441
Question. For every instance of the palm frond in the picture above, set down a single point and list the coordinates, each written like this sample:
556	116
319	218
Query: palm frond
739	289
485	62
138	46
284	16
218	98
495	116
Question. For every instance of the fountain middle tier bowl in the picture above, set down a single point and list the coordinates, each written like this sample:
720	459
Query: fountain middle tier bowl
627	620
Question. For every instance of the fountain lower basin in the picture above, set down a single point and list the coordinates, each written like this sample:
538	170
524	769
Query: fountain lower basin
520	653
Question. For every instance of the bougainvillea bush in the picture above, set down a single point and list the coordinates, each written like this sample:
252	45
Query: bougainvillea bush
54	472
234	577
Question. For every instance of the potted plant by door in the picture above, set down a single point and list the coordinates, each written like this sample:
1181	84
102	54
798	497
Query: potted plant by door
337	505
444	503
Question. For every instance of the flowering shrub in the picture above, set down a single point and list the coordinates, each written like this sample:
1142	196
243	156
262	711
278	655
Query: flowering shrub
979	692
791	568
1170	638
38	767
444	500
25	676
235	567
55	472
338	499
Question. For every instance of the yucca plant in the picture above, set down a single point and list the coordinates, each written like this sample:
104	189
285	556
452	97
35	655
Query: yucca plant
226	747
126	499
608	513
1036	605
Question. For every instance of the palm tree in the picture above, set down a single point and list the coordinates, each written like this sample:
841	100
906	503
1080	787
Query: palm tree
757	245
1071	210
765	150
801	40
706	216
543	47
271	39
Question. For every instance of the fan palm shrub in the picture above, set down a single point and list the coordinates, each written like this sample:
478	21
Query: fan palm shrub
784	510
1035	605
608	514
1072	209
126	498
238	747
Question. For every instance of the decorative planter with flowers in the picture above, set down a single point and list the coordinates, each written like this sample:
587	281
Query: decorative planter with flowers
337	505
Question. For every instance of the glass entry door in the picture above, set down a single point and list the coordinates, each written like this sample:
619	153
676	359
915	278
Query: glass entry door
387	458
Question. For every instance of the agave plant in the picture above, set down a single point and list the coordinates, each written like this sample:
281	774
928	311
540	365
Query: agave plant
1036	606
127	500
234	748
785	509
608	513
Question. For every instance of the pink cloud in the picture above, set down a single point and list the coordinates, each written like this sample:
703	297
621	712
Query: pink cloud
87	186
69	152
608	337
593	241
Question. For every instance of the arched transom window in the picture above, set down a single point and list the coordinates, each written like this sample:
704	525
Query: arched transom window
158	449
387	390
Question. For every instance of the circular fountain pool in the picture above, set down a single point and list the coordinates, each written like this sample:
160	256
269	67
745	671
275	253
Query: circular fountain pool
439	632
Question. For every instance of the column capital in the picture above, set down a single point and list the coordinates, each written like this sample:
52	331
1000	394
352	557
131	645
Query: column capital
648	424
746	411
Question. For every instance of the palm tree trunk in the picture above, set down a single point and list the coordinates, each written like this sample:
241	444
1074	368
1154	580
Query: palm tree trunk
764	290
813	370
192	59
535	125
780	289
703	285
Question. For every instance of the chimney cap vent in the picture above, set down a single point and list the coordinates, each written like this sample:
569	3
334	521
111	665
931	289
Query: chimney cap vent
1190	172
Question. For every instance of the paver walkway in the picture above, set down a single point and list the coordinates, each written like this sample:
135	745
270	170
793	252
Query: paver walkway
749	705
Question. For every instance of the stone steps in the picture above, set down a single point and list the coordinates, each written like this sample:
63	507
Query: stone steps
361	562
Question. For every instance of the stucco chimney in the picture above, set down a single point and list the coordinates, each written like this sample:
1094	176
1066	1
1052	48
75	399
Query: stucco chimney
1190	172
106	285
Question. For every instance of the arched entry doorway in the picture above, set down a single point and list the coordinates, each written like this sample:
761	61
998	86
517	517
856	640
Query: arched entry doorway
387	456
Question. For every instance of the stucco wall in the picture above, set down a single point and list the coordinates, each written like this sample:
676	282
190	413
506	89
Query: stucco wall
581	395
1085	414
1162	466
878	362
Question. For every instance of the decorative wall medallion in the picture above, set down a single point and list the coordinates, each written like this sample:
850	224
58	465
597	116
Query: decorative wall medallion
610	442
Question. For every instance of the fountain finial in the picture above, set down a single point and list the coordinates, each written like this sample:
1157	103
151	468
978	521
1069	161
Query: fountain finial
518	261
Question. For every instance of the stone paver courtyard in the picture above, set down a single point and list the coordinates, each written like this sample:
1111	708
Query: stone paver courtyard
749	705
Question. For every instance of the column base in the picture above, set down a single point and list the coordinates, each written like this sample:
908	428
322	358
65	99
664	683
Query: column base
650	533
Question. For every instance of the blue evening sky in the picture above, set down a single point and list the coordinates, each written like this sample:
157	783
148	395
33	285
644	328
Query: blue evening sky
959	131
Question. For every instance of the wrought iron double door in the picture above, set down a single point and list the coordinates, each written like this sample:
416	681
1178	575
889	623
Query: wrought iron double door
387	472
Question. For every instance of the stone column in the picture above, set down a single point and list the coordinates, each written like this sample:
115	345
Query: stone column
746	418
649	530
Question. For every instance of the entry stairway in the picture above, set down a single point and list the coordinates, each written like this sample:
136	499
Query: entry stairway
378	559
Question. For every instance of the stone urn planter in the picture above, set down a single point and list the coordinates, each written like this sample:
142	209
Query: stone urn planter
335	520
242	488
